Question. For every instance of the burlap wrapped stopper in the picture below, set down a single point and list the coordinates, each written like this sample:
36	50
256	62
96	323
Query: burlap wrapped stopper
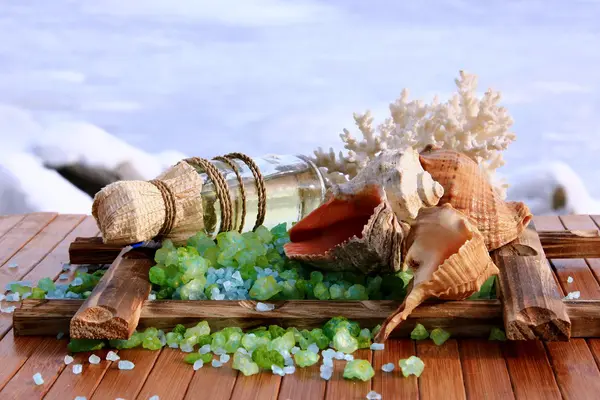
134	211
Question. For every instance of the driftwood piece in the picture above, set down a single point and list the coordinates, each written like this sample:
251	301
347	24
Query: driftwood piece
532	303
113	309
460	318
91	250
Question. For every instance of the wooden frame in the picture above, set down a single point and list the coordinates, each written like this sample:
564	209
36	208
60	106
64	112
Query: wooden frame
539	312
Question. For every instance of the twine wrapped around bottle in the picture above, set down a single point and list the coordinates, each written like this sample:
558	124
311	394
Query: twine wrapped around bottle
170	206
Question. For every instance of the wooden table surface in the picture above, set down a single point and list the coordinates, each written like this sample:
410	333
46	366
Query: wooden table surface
474	369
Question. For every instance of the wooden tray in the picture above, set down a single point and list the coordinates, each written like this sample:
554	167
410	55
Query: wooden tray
530	304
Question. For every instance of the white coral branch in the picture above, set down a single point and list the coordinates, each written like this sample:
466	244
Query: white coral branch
479	128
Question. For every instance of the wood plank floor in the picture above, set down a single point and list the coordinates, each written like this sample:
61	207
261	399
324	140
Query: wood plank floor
35	246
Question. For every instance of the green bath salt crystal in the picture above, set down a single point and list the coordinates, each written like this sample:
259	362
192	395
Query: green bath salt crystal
411	366
343	341
419	333
497	334
174	338
359	369
265	358
319	338
306	358
134	341
243	363
46	284
79	345
439	336
264	288
364	339
201	329
152	343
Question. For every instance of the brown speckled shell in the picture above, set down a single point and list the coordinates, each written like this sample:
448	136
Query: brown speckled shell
468	190
379	249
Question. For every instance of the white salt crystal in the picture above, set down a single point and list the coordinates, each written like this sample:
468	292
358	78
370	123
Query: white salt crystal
373	395
77	368
219	351
37	378
155	397
77	282
288	361
198	364
68	359
289	370
295	349
216	363
264	307
174	345
339	355
573	295
237	276
80	398
60	335
2	296
186	347
389	367
328	362
152	296
94	359
277	370
63	277
314	348
126	365
204	349
8	310
570	279
227	286
66	267
348	357
13	297
241	350
329	353
112	356
326	372
219	297
224	358
13	265
377	346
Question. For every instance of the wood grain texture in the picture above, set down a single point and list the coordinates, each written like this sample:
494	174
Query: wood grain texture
484	370
340	388
594	345
68	385
305	383
532	305
575	370
393	384
212	383
442	377
126	383
47	359
465	319
113	309
22	233
91	250
169	378
571	244
530	371
7	222
263	386
14	352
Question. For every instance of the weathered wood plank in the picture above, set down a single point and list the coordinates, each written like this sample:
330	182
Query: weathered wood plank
575	370
393	384
532	305
256	387
69	386
14	352
571	244
466	319
340	388
47	359
7	222
305	383
170	377
113	309
594	345
126	383
442	377
22	233
484	370
91	250
213	383
530	371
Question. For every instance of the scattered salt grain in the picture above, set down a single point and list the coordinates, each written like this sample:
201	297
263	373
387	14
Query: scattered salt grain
77	282
288	361
77	368
152	296
37	378
66	267
8	310
277	370
60	335
155	397
216	363
112	356
219	351
314	348
570	279
289	370
198	364
68	359
13	265
241	350
204	349
13	297
373	395
389	367
348	357
127	365
295	349
80	398
2	296
186	347
224	358
329	353
237	276
573	295
326	372
328	361
339	355
63	277
377	346
94	359
264	307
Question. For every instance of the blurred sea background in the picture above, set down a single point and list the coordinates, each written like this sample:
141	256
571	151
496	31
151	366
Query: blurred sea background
154	81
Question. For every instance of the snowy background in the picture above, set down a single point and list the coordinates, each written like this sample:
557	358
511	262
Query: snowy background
152	81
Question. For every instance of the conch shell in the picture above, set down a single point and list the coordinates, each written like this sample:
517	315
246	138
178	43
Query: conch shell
468	190
449	259
360	226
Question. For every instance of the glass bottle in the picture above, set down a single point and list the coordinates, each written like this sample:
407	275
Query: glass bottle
294	187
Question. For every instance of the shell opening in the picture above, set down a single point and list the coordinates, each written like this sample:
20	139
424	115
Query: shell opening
333	223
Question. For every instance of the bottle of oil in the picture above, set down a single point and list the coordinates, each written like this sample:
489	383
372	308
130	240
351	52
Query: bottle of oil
294	187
